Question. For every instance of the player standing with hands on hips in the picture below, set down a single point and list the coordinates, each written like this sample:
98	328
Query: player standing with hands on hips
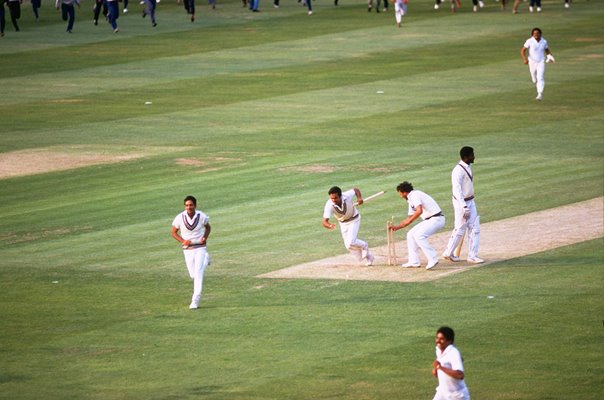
420	204
466	216
342	206
538	55
448	368
192	229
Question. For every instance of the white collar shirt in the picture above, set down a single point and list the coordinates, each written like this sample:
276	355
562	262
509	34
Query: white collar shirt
450	358
536	49
417	198
343	213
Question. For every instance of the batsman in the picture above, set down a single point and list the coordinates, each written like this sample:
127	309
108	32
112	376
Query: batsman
466	215
342	206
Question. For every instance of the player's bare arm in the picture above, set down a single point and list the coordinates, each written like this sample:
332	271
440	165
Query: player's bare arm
328	224
206	234
523	54
409	219
453	373
179	238
358	195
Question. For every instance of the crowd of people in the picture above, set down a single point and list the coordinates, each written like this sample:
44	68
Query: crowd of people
111	11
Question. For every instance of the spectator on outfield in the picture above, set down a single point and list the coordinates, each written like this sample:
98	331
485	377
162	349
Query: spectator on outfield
477	4
538	55
190	7
99	5
254	4
448	367
400	10
14	8
35	6
2	19
113	13
370	5
67	11
149	10
424	206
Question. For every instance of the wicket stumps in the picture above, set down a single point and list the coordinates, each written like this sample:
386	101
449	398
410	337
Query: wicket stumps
391	244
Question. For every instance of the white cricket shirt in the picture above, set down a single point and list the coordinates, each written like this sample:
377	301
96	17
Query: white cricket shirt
344	213
536	49
417	198
191	228
462	183
450	358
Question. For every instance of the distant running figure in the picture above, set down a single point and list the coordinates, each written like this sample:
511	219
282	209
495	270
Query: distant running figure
538	55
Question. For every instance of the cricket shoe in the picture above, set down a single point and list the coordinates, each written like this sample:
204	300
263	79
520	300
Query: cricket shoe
451	258
475	260
193	306
410	265
539	97
432	264
369	260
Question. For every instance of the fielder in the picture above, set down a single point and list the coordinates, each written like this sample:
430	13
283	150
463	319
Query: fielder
420	204
538	55
342	206
192	228
466	216
448	368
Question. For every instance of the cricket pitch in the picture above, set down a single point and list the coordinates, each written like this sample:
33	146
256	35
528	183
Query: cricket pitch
500	240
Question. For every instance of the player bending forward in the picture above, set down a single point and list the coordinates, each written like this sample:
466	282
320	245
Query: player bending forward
341	205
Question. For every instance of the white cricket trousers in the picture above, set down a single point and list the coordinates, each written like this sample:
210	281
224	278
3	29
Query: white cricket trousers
537	70
400	10
417	238
197	260
350	230
458	395
472	224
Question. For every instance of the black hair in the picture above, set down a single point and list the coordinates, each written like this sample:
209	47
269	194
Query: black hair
536	29
466	151
447	333
335	190
404	187
193	199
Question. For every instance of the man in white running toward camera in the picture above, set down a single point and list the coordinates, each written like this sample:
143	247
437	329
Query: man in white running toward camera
191	228
341	205
424	206
538	55
466	215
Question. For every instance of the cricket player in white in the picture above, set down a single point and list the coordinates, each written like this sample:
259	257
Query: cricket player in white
191	228
448	368
538	55
424	206
342	206
466	215
400	10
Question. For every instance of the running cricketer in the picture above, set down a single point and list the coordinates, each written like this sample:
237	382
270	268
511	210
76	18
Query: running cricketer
192	229
341	205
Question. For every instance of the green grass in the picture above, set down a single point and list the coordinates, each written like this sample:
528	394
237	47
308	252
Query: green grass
94	292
